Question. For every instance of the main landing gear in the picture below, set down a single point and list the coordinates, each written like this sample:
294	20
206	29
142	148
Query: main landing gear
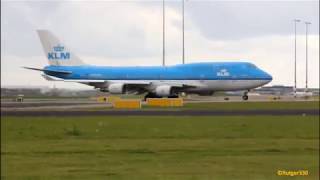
245	96
150	95
153	95
173	96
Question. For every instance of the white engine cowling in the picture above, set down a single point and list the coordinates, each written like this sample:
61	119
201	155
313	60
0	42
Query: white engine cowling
116	88
164	90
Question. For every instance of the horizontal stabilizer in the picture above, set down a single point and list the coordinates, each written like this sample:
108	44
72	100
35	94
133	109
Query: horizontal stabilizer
47	70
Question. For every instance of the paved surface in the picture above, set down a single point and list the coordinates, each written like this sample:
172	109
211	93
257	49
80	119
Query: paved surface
50	105
252	98
163	113
42	104
79	107
58	104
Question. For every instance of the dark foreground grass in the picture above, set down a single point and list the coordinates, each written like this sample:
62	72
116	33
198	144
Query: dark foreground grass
254	105
159	147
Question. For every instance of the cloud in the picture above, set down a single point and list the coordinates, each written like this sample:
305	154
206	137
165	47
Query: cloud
234	20
268	53
130	33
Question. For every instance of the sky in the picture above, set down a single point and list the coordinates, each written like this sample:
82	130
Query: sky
129	33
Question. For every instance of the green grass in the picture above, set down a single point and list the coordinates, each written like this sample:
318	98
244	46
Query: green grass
215	147
254	105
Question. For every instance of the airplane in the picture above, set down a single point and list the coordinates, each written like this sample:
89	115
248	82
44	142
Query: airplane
203	78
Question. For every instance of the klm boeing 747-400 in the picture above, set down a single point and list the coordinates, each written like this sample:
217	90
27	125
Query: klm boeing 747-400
156	81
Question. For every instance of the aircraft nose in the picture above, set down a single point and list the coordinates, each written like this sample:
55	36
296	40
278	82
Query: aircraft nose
265	77
268	77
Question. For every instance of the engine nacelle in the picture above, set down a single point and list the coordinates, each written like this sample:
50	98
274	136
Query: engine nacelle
116	88
164	90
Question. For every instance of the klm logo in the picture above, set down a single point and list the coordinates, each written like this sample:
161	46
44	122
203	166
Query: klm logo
223	73
58	53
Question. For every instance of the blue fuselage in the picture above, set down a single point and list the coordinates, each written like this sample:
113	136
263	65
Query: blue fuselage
194	71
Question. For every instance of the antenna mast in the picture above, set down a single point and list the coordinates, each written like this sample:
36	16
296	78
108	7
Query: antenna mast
163	33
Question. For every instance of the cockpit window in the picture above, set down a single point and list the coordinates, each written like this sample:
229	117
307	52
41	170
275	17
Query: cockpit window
252	66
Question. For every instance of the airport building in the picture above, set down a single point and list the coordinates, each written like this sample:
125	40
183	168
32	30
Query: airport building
275	90
283	90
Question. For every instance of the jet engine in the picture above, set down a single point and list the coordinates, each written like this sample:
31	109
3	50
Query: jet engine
116	88
164	90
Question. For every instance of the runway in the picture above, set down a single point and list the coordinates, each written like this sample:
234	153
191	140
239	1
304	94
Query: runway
43	104
302	112
199	107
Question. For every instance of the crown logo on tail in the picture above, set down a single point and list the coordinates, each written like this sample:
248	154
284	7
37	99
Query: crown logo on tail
58	48
58	53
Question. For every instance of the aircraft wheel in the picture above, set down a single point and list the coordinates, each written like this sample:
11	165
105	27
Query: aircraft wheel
146	97
245	97
173	96
150	95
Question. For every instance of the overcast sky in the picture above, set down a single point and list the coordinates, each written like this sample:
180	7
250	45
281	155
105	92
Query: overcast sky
117	33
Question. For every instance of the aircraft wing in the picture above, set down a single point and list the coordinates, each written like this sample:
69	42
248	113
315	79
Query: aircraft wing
52	78
178	84
97	83
141	85
127	82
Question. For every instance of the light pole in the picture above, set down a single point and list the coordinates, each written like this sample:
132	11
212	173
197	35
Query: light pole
163	33
307	23
295	56
183	58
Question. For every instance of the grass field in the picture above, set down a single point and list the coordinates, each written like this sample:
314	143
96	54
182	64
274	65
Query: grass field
253	147
254	105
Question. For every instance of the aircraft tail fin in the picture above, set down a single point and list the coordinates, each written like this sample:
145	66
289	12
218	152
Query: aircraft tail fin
56	51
